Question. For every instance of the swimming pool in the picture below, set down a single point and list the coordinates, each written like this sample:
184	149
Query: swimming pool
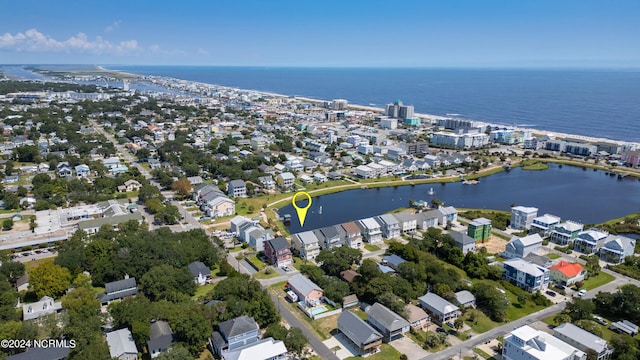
318	310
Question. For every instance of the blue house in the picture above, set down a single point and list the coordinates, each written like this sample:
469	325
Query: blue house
616	248
82	170
233	334
526	275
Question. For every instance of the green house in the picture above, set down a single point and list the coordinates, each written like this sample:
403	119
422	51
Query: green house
479	229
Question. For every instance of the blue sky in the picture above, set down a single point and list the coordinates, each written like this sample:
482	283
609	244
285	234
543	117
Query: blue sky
464	33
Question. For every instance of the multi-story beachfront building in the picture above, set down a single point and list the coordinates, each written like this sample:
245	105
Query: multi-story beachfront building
589	241
479	229
563	234
522	217
544	224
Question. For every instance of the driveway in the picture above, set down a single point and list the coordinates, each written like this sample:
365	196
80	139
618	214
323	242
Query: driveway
341	346
406	346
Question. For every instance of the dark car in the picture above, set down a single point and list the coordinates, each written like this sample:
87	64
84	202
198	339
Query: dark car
441	330
550	293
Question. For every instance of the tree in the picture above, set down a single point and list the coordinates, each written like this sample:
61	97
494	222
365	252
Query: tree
625	346
168	215
166	282
12	270
49	279
71	255
7	224
295	341
182	187
176	352
458	324
148	192
191	328
562	318
580	309
84	315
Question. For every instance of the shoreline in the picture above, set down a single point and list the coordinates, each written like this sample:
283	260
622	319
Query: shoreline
381	110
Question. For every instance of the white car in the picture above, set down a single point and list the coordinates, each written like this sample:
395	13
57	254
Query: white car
582	292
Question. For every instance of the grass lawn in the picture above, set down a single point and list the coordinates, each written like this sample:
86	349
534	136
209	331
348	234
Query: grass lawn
371	247
35	263
515	310
202	290
236	249
206	354
535	166
263	275
553	256
297	262
257	262
481	323
387	352
594	281
482	353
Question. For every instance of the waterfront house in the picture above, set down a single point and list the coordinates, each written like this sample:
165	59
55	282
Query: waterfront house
233	334
200	272
351	234
427	219
566	273
285	180
465	242
583	340
306	243
544	224
447	215
391	325
160	338
527	343
389	225
564	233
278	252
417	318
522	217
116	290
267	348
616	248
237	188
440	309
408	222
121	345
479	229
465	299
526	275
365	338
45	306
519	247
330	237
370	229
589	241
306	290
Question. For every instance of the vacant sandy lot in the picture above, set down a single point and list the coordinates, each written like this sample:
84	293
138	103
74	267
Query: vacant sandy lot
494	245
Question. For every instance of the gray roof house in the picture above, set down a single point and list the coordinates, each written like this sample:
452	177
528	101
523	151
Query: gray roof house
389	224
200	272
427	219
616	248
465	242
520	247
306	289
390	324
118	290
408	222
393	261
121	345
42	353
331	237
45	306
440	309
233	334
465	298
583	340
160	338
365	338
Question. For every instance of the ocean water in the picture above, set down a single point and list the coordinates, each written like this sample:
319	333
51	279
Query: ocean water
599	103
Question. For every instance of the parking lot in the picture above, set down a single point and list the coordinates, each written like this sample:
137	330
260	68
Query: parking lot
32	255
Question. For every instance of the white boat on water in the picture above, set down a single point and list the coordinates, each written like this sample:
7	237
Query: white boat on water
320	210
431	192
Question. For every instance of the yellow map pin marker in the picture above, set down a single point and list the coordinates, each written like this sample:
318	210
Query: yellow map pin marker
302	211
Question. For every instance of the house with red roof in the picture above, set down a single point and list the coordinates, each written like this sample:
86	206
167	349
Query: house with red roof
567	273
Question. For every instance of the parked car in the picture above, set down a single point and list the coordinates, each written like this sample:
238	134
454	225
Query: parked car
600	320
550	293
582	292
441	330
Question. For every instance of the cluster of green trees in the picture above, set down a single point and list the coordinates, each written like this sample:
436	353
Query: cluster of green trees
499	219
135	251
623	304
7	87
